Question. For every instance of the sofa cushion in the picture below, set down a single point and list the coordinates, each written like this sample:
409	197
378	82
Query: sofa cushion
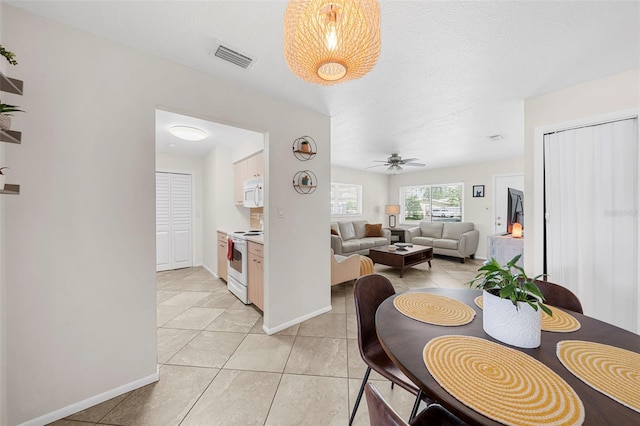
360	227
431	229
366	243
446	244
453	230
373	230
350	245
423	241
347	231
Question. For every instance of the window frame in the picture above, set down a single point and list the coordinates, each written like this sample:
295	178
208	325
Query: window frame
402	190
358	201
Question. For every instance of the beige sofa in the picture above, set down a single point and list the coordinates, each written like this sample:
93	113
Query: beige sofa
457	239
351	238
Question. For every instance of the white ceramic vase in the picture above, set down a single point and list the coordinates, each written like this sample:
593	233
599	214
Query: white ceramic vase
516	327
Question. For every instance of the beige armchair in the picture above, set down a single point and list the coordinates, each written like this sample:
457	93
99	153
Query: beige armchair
344	268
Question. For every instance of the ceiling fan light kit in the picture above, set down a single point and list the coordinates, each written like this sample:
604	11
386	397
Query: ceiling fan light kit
395	163
331	41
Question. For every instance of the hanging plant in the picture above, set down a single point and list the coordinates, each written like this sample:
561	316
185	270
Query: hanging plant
10	56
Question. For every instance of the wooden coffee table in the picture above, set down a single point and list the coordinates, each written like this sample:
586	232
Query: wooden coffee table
401	258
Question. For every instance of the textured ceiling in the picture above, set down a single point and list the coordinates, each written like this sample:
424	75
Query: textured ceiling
449	73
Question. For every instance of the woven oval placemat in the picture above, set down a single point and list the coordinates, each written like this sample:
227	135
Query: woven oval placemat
559	322
502	383
612	371
434	309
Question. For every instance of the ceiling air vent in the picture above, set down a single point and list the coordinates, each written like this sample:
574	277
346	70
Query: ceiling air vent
232	55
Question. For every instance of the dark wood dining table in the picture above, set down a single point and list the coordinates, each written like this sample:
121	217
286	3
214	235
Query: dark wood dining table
404	339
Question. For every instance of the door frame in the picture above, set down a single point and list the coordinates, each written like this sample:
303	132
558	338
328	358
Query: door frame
193	210
538	180
493	204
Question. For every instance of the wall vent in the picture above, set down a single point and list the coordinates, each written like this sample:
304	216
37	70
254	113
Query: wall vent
231	55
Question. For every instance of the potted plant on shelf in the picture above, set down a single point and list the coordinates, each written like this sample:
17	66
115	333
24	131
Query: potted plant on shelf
6	111
305	146
510	303
2	176
9	56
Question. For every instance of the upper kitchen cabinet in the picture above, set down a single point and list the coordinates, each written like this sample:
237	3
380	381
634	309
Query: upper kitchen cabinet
249	168
255	166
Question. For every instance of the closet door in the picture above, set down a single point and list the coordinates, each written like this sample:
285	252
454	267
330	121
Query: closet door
591	199
173	221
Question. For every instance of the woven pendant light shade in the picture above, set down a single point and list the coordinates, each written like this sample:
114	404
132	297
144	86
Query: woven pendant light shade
328	42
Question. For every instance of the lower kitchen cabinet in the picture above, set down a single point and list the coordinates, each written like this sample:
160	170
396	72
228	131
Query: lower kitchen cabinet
255	279
222	255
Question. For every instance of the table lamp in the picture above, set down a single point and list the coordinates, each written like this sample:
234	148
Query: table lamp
516	230
392	210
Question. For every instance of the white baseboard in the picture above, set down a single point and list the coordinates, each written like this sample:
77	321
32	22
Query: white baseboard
90	402
298	320
210	271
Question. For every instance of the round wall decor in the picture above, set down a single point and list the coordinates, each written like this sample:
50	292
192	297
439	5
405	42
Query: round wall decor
304	148
305	182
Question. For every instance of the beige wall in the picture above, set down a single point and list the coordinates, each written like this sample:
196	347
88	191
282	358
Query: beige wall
580	103
476	210
79	241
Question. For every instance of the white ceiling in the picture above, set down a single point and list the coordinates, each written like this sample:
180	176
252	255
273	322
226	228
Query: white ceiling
449	75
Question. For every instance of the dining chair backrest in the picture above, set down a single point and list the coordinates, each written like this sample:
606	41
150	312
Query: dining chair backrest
369	292
557	295
382	414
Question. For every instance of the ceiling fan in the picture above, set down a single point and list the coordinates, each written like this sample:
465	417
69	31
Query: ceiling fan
395	163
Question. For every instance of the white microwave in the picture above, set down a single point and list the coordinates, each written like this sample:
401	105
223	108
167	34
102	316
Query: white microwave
253	193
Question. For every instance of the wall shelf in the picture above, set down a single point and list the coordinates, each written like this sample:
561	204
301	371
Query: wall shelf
10	189
10	85
305	182
304	148
10	136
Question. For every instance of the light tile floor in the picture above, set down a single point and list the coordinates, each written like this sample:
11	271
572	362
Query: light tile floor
217	366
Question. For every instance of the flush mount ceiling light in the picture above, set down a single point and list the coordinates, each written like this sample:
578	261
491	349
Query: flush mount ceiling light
331	41
188	133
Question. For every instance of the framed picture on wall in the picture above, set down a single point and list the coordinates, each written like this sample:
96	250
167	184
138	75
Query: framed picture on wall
478	191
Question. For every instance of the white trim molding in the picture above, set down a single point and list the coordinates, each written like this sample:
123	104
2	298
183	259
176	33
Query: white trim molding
91	401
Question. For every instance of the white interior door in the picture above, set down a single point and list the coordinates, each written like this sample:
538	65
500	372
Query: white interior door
173	221
500	185
591	200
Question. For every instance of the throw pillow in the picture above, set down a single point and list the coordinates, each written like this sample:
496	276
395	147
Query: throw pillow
334	232
373	230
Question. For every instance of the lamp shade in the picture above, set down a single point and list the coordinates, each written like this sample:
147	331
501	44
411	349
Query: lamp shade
331	41
516	230
392	209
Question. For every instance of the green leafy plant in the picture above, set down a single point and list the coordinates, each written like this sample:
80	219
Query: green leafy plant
509	282
7	109
10	56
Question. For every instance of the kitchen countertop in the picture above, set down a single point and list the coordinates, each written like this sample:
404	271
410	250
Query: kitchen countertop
257	239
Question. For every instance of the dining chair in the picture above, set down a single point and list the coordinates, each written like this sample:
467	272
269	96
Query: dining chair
382	414
369	292
557	295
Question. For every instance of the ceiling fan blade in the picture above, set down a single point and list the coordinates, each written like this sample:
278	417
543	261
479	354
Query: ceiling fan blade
415	164
376	165
380	161
409	160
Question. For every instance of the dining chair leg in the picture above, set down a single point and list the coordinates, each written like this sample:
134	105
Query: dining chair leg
364	383
416	405
392	385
